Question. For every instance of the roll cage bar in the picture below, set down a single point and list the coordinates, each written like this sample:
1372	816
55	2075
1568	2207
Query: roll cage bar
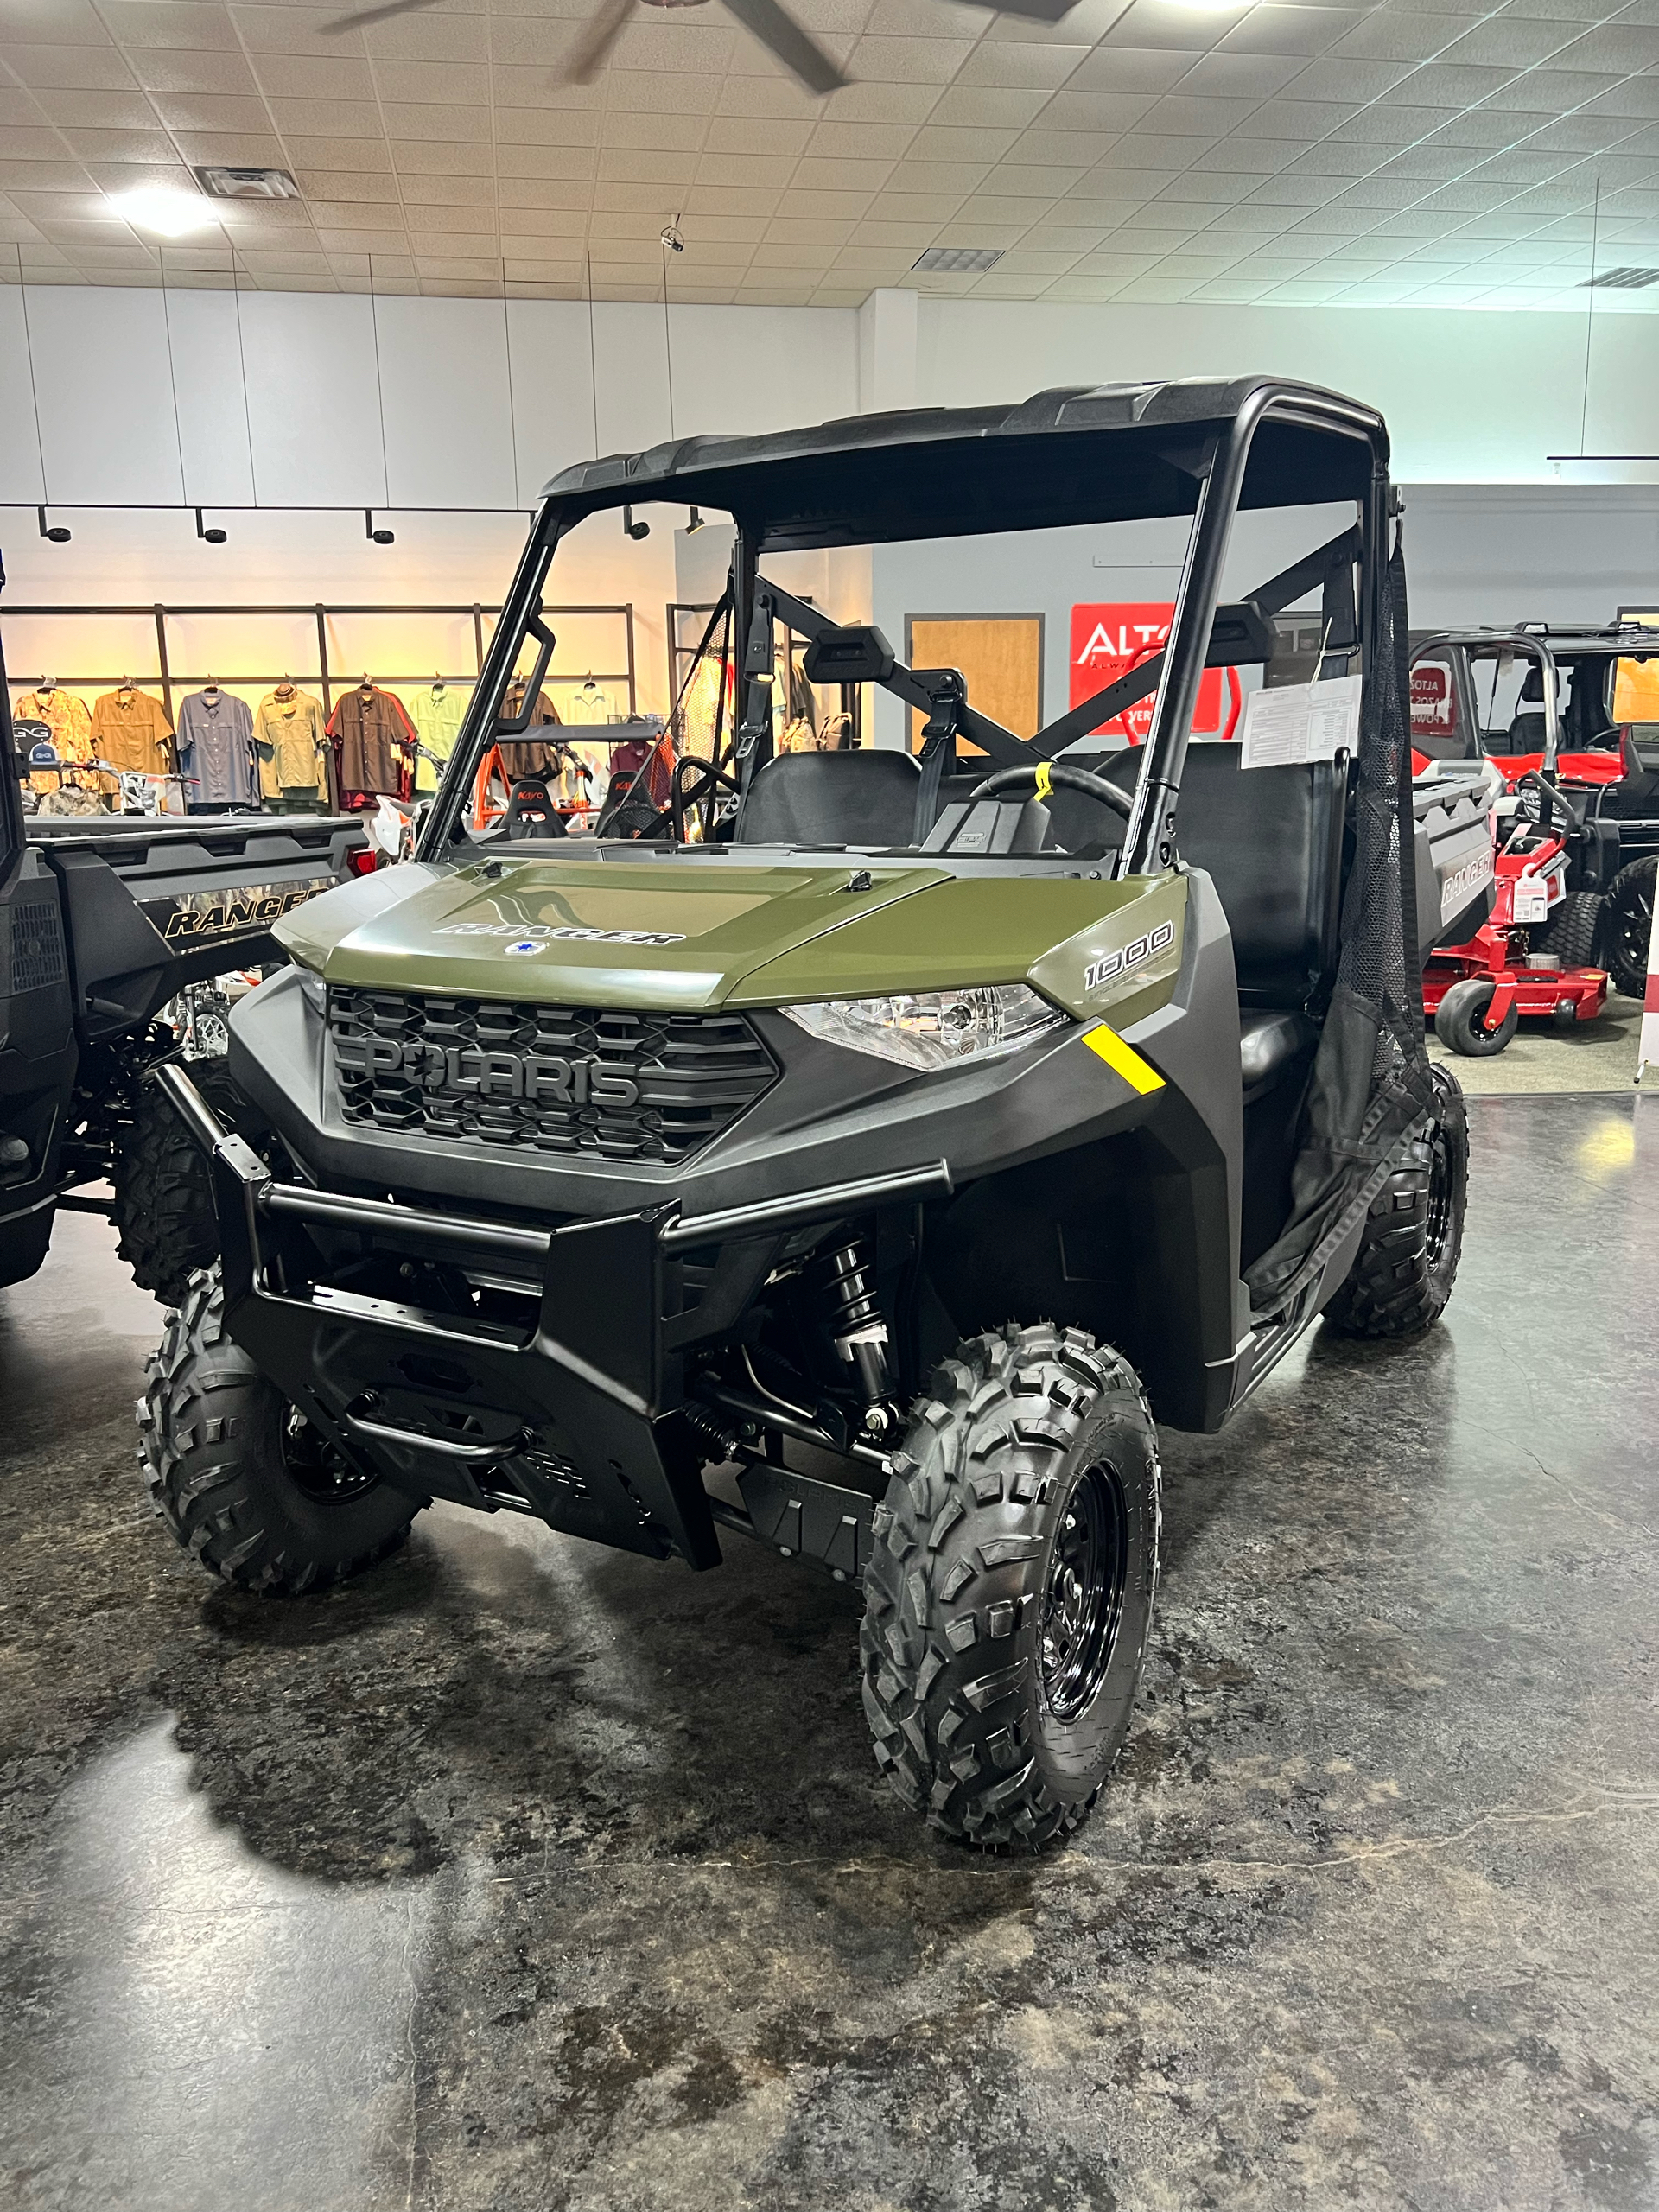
1179	459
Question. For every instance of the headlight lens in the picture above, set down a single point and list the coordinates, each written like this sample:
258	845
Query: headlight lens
929	1030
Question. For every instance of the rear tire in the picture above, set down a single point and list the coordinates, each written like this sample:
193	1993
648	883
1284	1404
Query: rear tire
247	1486
1574	934
1009	1596
1459	1021
163	1191
1627	925
1407	1259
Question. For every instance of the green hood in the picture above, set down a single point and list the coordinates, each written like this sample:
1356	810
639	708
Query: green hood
695	933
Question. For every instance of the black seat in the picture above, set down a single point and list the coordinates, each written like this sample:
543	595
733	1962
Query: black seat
1528	732
530	810
1270	841
865	798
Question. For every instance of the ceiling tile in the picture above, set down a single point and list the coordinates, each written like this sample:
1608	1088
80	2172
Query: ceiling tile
113	145
908	60
1166	26
977	104
211	112
1009	62
128	111
1397	35
67	23
77	68
1274	30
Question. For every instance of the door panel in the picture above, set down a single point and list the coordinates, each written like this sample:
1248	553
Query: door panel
1000	656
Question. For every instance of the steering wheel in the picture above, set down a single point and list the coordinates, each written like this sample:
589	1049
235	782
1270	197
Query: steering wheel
1552	795
1051	775
681	802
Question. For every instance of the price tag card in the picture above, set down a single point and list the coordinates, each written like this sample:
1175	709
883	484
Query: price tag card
1531	899
1296	722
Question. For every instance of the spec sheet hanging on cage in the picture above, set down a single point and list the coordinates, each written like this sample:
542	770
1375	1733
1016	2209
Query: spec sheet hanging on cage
1290	723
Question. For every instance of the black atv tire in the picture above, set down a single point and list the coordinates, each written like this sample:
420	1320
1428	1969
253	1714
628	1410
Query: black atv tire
1407	1259
1459	1021
246	1485
1009	1595
164	1191
1627	925
1574	933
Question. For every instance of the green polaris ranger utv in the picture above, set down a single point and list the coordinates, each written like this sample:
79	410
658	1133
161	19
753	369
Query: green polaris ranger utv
862	1153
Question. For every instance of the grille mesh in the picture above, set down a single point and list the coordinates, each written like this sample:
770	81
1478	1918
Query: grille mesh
618	1084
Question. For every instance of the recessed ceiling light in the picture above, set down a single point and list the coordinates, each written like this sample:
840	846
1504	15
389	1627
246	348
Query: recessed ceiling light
168	213
248	184
957	259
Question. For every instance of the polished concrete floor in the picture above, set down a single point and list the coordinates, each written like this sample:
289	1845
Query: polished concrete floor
1598	1055
528	1878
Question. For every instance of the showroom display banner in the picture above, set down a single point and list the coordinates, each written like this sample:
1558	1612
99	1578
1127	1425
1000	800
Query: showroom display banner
1111	637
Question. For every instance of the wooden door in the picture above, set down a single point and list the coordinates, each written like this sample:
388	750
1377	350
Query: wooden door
1000	656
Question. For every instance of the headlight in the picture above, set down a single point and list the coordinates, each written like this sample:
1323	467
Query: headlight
931	1030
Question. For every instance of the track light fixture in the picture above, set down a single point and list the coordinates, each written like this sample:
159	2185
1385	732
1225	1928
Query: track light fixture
634	529
214	536
379	536
57	531
696	524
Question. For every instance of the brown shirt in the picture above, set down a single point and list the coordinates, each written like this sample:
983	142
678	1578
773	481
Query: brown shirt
520	756
368	730
131	730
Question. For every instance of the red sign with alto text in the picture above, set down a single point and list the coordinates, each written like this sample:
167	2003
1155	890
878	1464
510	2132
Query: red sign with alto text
1110	638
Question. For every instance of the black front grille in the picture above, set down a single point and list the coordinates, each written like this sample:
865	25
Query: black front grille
560	1079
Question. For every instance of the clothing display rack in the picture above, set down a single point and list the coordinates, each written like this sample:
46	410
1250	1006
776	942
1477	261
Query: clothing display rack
685	621
330	680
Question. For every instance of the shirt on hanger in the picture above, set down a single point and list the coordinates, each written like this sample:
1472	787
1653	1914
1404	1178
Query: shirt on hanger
69	720
216	749
522	756
369	731
588	703
289	737
131	730
437	717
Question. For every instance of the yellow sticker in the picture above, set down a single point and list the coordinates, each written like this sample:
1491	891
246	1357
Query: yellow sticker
1045	780
1123	1059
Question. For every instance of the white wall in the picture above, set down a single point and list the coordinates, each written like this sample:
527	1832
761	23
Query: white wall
483	404
1469	398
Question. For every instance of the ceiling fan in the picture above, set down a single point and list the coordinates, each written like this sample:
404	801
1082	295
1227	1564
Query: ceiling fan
777	31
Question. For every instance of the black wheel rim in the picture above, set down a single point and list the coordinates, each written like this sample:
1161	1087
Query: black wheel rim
319	1467
1438	1226
1083	1597
1635	924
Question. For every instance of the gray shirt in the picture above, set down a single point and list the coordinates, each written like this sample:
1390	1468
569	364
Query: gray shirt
215	738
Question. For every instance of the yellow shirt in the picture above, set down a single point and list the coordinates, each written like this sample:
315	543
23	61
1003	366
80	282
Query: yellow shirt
289	737
131	731
437	716
67	717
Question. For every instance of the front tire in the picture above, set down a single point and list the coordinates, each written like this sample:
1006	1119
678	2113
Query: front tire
1407	1259
1627	925
1460	1023
1009	1596
247	1486
163	1188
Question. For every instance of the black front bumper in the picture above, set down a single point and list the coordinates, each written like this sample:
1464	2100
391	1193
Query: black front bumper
578	1419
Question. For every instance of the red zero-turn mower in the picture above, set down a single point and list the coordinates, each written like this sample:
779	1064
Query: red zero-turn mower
1476	992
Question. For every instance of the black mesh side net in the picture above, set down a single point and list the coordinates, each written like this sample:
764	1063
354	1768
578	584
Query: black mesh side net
1369	1095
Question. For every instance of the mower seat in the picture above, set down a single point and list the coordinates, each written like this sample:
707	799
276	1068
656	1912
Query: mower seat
1527	732
864	799
531	811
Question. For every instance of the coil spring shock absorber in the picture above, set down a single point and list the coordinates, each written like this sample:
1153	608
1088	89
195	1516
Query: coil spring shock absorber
848	1276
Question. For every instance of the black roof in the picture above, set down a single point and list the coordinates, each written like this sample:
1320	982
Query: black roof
1088	452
